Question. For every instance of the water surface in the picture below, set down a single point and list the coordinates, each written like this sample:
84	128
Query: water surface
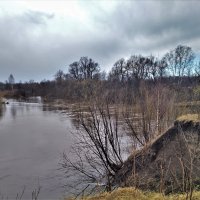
32	140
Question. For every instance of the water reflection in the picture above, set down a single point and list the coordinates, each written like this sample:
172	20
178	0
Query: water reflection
13	112
76	122
2	110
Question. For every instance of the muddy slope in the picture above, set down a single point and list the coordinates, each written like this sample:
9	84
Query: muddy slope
166	163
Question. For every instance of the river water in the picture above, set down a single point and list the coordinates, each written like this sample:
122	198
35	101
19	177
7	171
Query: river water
32	140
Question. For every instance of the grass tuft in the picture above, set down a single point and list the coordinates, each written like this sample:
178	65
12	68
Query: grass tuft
135	194
189	117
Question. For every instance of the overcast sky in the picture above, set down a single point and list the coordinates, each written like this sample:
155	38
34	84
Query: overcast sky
37	38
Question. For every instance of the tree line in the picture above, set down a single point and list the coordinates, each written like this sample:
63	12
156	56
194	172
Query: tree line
179	69
84	79
178	62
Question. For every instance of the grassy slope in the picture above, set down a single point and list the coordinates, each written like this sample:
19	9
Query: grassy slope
189	117
134	194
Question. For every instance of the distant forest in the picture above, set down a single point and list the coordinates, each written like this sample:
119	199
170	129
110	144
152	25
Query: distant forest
177	71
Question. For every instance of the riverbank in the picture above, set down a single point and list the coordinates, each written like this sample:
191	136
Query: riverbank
135	194
3	94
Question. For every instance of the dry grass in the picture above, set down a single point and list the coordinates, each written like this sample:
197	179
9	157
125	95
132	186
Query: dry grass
190	103
3	93
135	194
189	117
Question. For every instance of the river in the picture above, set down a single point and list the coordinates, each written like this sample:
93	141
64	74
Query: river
32	140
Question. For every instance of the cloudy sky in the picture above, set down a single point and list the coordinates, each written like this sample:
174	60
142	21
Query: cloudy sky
37	38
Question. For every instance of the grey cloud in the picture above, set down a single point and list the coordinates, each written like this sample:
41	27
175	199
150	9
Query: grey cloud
28	57
34	17
17	28
18	50
132	27
161	23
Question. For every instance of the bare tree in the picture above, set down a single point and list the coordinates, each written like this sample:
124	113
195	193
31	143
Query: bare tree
139	66
74	70
59	76
88	67
157	68
118	71
97	155
11	80
150	114
179	60
85	68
